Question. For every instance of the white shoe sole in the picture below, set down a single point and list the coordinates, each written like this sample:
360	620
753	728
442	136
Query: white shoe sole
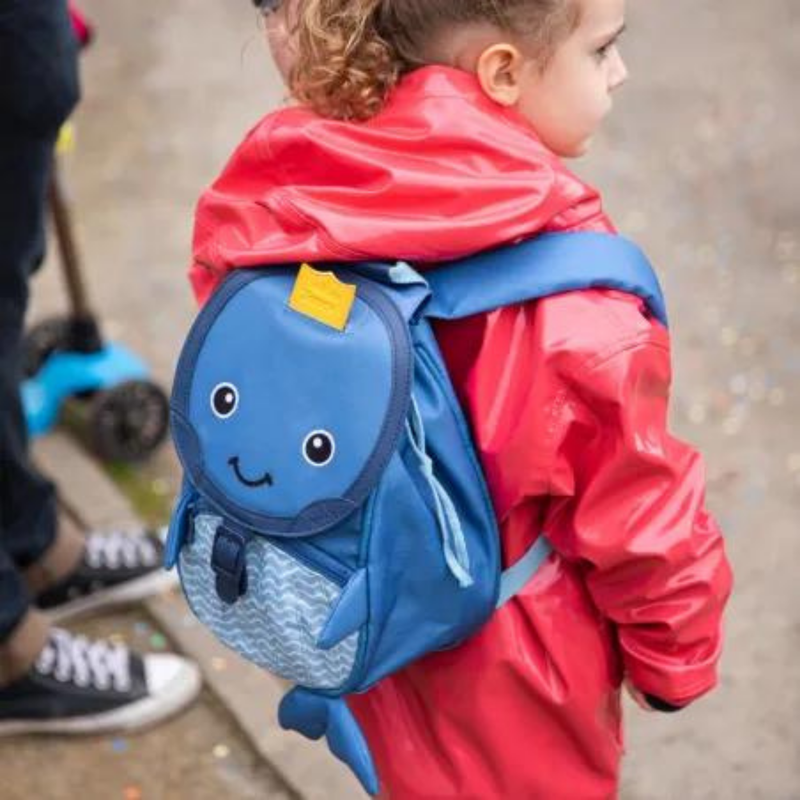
124	594
183	687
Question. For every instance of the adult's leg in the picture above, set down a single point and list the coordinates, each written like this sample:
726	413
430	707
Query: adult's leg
22	632
37	91
50	680
27	499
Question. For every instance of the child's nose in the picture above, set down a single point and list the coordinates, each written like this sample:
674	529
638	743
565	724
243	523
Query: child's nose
618	73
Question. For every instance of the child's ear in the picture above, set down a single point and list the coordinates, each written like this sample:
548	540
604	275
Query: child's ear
499	69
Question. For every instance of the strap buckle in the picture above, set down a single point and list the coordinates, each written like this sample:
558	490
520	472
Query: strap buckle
229	562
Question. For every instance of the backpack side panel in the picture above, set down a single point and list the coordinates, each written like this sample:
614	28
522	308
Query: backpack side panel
418	605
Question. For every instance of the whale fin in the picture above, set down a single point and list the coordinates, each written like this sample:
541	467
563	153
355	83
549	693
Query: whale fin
315	716
349	613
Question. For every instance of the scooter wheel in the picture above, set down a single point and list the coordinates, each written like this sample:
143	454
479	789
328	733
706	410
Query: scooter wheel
129	421
42	340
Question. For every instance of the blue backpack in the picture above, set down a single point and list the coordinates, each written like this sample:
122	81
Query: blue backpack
334	523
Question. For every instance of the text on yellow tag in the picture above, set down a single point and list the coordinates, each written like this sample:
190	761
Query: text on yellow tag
323	297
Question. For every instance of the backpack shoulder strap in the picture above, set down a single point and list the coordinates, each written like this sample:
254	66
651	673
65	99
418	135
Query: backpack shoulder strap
545	265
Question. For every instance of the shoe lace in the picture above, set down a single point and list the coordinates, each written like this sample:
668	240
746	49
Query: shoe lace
71	658
117	549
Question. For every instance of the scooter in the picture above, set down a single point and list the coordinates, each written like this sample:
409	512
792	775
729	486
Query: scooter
66	358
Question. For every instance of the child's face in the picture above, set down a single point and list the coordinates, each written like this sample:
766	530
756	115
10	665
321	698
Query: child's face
567	101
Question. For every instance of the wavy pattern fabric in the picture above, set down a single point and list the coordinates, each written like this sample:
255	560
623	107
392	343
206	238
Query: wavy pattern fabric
276	623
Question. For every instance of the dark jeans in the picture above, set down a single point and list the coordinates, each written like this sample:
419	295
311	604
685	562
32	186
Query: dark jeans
38	88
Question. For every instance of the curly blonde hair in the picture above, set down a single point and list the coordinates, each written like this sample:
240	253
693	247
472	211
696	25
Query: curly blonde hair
350	53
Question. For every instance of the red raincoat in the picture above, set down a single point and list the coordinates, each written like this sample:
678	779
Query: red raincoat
568	401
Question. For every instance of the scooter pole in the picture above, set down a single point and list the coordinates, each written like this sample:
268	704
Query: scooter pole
85	332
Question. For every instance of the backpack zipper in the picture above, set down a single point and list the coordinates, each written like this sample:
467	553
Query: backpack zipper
312	557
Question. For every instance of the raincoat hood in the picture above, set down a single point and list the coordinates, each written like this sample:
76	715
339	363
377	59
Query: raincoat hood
440	173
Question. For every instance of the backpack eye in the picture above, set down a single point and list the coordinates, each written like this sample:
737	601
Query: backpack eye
318	448
224	399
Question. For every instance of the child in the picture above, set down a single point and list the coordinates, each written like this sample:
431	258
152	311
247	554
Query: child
429	131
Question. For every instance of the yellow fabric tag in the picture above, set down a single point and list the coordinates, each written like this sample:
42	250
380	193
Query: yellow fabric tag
66	139
323	297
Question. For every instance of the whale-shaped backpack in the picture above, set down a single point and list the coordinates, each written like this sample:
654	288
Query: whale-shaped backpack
334	523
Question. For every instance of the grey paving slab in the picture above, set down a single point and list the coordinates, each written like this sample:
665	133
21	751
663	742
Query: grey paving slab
84	490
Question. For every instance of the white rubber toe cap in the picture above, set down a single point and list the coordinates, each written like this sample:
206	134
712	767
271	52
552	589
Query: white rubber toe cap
166	673
172	681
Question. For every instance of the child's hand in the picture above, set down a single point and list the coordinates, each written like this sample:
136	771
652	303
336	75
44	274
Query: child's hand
637	696
648	702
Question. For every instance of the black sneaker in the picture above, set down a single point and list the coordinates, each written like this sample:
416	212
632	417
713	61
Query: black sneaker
81	686
117	568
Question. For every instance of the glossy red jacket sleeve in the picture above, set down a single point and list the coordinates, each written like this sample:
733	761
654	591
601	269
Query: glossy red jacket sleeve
654	558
